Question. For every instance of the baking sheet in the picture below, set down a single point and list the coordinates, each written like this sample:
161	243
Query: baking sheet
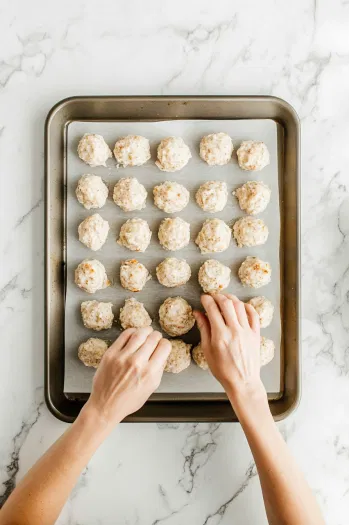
78	378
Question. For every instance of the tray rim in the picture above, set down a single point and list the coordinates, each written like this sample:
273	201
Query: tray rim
144	415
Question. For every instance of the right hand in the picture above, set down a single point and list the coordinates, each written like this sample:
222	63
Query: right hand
230	340
130	371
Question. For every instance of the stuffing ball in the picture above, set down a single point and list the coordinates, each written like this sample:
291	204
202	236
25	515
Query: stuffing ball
212	196
96	315
171	197
93	150
133	275
214	236
214	276
176	316
264	309
173	272
93	232
199	357
129	194
179	358
135	235
91	351
174	234
132	150
253	156
134	315
216	149
91	276
267	351
249	231
173	154
91	191
253	197
254	272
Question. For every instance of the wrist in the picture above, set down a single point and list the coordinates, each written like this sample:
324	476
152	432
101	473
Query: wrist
91	415
249	400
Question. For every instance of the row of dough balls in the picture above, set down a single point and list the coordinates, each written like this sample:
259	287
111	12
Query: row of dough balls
174	234
91	276
172	153
130	195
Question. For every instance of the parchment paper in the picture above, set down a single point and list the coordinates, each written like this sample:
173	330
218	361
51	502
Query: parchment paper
78	378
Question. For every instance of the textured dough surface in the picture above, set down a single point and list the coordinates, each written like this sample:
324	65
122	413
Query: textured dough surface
93	150
173	272
174	233
214	236
135	235
97	315
173	154
93	232
249	231
264	308
171	197
216	149
134	315
91	191
267	351
253	197
254	272
129	194
179	358
133	275
91	351
132	150
91	276
212	196
253	155
199	357
214	276
176	316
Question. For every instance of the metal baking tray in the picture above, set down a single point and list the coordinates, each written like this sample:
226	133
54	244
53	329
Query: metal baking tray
170	407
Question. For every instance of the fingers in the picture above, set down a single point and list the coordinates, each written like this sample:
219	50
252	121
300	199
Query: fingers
161	353
203	325
137	339
149	346
240	311
121	341
227	308
213	313
253	317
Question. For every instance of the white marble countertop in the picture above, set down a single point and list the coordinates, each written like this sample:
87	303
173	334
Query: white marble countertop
197	474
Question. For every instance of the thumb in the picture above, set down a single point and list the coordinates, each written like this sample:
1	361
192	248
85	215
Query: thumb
203	326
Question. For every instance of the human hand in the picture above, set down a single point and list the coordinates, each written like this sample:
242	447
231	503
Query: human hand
130	371
230	340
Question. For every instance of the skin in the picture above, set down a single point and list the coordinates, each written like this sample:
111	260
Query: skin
129	373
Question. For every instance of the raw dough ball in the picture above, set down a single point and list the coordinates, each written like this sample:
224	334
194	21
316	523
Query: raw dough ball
93	150
135	235
132	150
253	197
91	191
97	316
176	316
179	358
212	196
91	276
214	276
249	231
170	196
173	154
133	275
93	232
173	272
134	315
264	309
214	236
174	234
199	357
91	351
130	194
267	351
254	272
253	156
216	149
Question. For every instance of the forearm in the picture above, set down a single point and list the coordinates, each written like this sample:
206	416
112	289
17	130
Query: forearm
41	494
287	496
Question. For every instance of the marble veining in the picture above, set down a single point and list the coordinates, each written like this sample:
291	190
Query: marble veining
175	473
